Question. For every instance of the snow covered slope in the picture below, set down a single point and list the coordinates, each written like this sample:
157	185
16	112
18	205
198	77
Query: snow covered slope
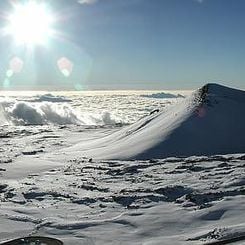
210	121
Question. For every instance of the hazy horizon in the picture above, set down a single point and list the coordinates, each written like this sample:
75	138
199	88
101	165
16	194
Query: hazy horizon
110	88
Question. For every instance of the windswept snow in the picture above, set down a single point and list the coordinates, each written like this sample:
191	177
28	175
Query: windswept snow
210	121
61	180
186	200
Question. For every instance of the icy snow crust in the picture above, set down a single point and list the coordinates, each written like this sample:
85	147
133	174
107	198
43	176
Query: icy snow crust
210	121
173	201
50	187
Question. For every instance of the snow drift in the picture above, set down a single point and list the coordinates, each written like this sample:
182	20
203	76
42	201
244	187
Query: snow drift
210	121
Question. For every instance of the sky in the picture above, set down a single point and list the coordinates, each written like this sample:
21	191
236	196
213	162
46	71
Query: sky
130	44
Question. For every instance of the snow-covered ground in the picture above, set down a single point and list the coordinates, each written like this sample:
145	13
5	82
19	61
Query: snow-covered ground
77	182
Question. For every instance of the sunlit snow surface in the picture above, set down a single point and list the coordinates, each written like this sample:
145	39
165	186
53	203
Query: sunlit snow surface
78	200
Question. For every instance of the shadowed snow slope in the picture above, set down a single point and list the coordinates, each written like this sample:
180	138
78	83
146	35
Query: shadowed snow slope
210	121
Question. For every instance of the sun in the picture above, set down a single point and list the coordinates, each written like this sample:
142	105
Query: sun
30	23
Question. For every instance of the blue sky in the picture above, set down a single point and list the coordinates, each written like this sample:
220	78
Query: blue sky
136	44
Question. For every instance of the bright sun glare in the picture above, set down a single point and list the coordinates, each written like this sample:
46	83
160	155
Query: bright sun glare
30	23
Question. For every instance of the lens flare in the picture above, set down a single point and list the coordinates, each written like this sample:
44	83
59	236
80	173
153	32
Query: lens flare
16	65
65	66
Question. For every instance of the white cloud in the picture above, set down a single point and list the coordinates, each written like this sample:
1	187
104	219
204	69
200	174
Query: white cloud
87	1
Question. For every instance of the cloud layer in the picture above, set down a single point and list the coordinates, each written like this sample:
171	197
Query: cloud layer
87	1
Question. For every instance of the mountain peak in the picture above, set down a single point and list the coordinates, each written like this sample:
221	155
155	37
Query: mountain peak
214	90
210	121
